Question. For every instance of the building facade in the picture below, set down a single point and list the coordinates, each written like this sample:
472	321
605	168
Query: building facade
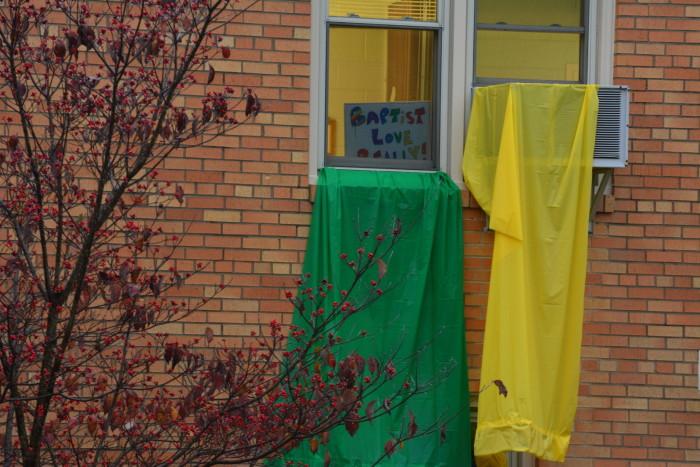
251	192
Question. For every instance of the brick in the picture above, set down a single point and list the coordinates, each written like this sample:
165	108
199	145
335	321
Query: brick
222	216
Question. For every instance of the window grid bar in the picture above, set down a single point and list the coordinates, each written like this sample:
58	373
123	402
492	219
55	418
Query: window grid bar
529	28
485	81
382	23
583	44
583	51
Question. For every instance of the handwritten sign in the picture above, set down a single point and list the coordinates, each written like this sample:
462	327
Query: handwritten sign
388	130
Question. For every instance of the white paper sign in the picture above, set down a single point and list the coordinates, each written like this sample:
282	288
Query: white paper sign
388	130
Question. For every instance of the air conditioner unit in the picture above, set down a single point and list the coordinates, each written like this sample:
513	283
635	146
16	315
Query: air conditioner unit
611	134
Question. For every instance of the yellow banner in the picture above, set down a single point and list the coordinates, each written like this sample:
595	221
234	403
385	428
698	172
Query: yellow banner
528	162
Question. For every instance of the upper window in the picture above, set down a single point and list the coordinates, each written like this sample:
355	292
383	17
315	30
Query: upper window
530	40
391	79
381	106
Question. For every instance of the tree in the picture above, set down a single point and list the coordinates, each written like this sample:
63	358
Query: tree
90	94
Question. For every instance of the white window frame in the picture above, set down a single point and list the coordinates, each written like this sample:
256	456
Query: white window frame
456	75
319	57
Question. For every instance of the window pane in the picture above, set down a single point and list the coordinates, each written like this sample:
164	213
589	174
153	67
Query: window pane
530	12
422	10
380	95
528	55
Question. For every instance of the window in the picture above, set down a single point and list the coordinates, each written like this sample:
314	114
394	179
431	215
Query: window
381	104
379	64
530	40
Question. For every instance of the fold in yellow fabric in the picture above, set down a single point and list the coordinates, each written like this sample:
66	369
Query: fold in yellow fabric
528	163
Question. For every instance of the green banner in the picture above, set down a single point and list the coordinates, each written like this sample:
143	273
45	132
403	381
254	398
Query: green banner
419	317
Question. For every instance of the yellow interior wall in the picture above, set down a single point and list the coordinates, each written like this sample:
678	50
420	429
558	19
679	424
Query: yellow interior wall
537	56
528	55
357	73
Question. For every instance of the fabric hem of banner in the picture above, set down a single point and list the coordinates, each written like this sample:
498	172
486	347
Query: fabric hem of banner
529	438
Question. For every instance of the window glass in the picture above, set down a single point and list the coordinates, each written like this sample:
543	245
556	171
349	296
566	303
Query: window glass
420	10
527	55
380	101
530	12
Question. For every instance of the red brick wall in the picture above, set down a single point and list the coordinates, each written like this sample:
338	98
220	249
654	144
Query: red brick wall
247	207
639	403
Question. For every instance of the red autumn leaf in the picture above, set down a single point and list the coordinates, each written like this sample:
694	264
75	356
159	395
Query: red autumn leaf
502	390
212	74
390	370
252	103
59	49
387	405
359	362
12	142
87	36
166	132
330	360
178	280
351	426
20	90
133	290
369	410
313	445
182	120
179	194
107	403
381	269
390	447
206	114
177	356
135	273
124	270
348	397
397	227
225	52
73	42
154	46
85	298
92	425
155	284
373	364
412	425
115	292
327	459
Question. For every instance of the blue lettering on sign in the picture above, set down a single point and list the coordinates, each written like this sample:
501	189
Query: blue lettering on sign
383	114
395	112
395	130
372	117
